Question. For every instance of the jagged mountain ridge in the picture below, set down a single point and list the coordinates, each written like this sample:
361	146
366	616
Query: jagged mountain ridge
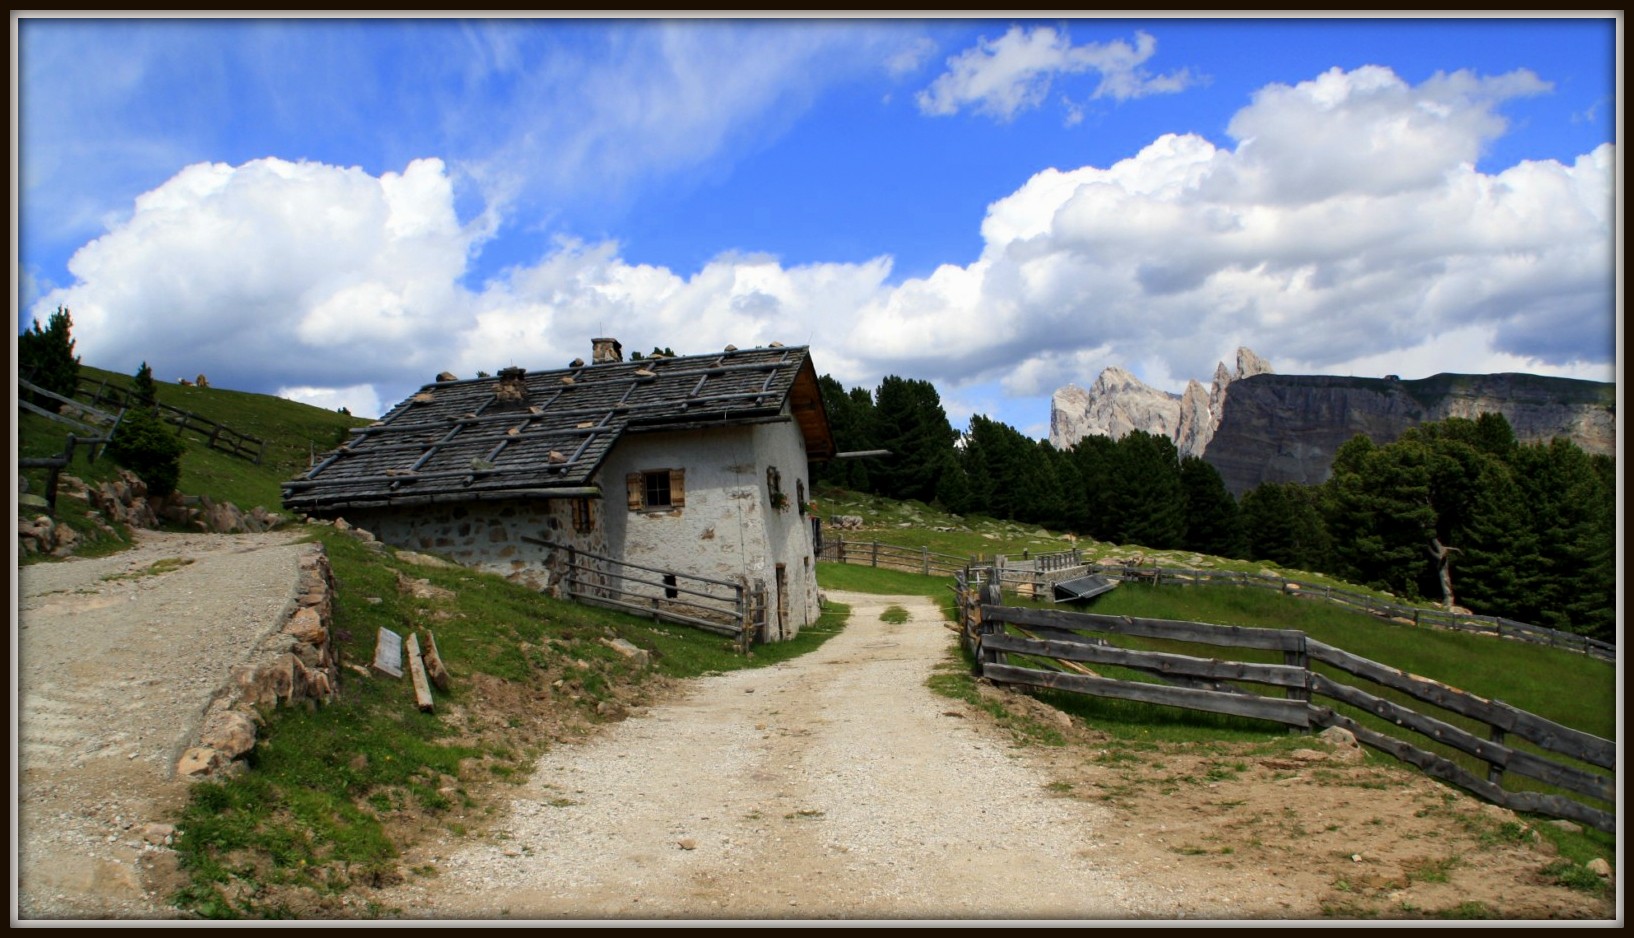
1118	402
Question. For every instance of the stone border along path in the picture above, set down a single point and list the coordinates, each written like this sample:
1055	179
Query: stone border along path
116	663
833	786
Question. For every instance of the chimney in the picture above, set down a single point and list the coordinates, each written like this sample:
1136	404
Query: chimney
606	352
511	389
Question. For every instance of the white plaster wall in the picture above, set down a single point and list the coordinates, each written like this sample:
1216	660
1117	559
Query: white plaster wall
727	527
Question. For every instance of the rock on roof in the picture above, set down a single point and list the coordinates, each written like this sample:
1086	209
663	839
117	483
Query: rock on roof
544	433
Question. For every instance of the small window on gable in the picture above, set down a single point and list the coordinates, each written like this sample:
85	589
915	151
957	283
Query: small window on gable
774	488
583	520
657	489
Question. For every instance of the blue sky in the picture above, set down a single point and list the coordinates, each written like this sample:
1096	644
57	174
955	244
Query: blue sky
336	210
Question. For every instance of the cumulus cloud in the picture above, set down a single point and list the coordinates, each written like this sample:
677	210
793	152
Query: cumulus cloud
1003	77
329	283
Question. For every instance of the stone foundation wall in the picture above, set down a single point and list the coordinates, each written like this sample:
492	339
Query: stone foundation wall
488	536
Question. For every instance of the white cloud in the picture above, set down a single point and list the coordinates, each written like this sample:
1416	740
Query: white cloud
359	400
331	284
1003	77
280	273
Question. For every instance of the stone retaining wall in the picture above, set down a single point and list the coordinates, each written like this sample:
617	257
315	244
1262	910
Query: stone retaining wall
295	665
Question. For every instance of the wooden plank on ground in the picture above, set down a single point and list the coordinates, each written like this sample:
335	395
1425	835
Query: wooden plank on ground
434	664
417	670
388	652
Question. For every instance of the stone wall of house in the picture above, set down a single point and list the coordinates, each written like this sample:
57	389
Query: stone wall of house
489	536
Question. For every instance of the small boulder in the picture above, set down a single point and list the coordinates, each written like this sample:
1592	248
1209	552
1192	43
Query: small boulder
229	732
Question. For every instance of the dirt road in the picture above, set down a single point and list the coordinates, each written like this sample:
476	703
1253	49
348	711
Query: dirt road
833	786
116	660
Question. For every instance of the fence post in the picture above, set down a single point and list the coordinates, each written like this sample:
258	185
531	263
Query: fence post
572	573
875	560
1494	771
925	557
1299	658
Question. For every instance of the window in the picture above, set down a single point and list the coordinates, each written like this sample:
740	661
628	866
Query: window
774	488
583	521
657	489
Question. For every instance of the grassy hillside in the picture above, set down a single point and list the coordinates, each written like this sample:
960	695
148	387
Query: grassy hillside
293	433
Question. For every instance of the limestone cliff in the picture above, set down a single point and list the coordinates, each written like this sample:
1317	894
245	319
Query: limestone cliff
1286	428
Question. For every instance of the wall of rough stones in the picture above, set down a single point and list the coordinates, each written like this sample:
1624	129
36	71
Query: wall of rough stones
297	665
125	501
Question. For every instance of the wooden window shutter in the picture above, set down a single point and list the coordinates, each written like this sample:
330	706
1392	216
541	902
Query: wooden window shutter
636	490
677	488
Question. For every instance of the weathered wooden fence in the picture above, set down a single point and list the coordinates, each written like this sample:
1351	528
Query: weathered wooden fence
54	465
1416	615
1052	649
921	560
734	609
215	435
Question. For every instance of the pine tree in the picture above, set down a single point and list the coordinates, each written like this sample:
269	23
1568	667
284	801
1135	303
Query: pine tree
910	421
1212	522
45	357
144	392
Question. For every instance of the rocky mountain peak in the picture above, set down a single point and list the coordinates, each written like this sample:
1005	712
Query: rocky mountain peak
1119	402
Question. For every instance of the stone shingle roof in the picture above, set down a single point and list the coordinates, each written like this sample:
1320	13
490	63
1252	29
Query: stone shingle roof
545	433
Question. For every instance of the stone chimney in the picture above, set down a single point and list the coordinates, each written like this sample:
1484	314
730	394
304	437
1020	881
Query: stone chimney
606	352
511	389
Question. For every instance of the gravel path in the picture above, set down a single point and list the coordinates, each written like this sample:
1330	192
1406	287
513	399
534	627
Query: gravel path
116	661
833	786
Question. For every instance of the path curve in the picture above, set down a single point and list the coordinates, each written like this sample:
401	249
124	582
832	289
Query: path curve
116	661
833	786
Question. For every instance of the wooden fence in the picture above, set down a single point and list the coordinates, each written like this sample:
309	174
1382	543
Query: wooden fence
1416	615
734	609
1052	649
54	465
921	560
217	436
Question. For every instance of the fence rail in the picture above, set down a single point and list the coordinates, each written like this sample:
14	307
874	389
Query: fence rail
734	609
1051	648
215	435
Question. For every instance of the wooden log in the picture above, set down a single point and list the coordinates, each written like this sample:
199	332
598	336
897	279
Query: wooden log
388	652
417	670
1291	712
434	664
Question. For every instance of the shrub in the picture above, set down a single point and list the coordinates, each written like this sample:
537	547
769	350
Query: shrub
146	447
